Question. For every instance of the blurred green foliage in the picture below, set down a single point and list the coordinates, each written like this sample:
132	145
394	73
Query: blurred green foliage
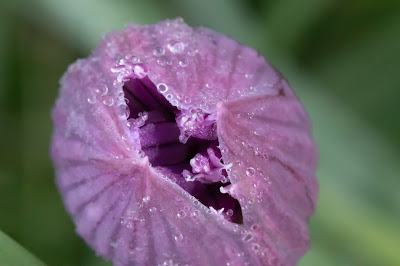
342	58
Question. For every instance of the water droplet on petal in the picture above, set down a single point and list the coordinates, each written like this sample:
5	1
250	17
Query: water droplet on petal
250	171
124	111
176	47
178	237
162	88
109	101
92	99
183	63
158	51
210	84
102	90
181	214
254	227
248	237
143	116
256	247
229	212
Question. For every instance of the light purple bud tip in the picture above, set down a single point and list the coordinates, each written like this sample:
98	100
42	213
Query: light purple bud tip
178	146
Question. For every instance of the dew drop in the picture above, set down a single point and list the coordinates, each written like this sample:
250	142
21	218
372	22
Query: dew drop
162	88
187	100
121	95
124	137
176	47
158	51
124	111
153	209
256	247
196	213
209	84
108	101
229	212
91	99
248	237
183	63
250	171
181	214
102	90
169	96
174	102
143	115
254	227
178	237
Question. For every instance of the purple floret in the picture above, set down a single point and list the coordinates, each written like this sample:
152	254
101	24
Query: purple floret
194	161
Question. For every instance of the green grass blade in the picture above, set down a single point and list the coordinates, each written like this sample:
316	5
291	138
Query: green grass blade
11	253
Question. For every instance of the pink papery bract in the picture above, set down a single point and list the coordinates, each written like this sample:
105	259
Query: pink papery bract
131	211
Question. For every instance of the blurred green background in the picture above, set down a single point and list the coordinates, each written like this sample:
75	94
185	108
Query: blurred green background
341	57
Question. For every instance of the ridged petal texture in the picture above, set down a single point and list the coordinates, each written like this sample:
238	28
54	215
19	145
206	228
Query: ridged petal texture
131	211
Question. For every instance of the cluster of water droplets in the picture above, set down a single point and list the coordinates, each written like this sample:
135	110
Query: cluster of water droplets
169	95
133	123
129	67
175	50
126	68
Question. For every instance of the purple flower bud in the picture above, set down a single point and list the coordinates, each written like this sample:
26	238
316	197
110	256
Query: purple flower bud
176	145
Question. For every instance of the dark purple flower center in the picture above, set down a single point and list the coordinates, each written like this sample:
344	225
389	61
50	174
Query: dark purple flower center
180	144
